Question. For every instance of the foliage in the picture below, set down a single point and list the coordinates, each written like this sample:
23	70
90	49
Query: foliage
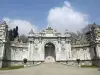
85	36
13	33
78	38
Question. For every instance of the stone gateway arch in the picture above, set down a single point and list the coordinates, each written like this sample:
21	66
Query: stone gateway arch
50	54
49	46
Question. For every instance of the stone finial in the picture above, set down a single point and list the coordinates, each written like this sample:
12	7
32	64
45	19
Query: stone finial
31	32
49	27
94	23
66	31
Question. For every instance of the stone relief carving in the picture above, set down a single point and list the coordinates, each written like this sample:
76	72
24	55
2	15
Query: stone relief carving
36	41
81	51
62	47
35	51
36	47
74	52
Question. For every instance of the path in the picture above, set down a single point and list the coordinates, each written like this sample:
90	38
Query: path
52	69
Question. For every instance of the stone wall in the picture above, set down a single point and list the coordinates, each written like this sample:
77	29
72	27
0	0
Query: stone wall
85	53
82	52
19	51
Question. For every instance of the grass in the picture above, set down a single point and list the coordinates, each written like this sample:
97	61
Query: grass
89	66
12	67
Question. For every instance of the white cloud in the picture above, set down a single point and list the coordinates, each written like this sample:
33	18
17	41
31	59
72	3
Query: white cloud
65	17
23	25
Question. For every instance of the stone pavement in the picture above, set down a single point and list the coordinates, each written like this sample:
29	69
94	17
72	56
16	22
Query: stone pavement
52	69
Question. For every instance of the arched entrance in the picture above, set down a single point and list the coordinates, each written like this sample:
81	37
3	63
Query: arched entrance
50	52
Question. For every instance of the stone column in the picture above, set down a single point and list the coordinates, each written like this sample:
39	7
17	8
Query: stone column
1	55
98	50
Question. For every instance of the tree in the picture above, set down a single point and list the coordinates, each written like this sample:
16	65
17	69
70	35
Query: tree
16	32
10	35
13	34
78	38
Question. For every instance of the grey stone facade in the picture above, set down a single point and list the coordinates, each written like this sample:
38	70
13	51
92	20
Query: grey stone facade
38	45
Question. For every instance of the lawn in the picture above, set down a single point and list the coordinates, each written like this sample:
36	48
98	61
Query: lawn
89	66
12	67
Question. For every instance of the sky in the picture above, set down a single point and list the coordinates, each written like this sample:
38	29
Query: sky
72	15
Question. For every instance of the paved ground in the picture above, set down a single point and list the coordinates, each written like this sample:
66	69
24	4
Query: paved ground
52	69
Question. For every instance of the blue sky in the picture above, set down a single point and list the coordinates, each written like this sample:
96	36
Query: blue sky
36	11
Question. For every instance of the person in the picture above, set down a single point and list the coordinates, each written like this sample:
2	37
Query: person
78	61
25	62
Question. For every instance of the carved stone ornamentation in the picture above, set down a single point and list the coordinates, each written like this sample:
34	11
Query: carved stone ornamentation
48	46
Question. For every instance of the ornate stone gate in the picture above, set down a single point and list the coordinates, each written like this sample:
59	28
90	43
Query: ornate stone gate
39	45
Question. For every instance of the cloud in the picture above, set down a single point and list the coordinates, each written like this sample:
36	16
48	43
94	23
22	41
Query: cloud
65	17
23	25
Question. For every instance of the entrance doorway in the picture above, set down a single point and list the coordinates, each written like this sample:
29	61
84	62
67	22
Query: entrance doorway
50	55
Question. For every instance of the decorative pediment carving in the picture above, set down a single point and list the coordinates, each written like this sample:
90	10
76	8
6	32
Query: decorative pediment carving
49	30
